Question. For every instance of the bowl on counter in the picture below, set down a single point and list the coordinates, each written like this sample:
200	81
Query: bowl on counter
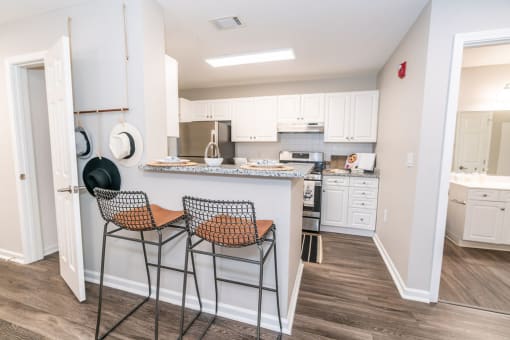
213	161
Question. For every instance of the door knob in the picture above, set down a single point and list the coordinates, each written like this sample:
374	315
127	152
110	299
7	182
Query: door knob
22	177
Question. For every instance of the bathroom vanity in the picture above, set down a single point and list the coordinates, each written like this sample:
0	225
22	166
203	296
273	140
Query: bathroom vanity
479	211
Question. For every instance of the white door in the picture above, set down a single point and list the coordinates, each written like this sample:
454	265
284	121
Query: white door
364	117
266	120
472	142
289	108
337	117
484	221
334	206
503	168
220	109
172	97
312	107
243	121
57	65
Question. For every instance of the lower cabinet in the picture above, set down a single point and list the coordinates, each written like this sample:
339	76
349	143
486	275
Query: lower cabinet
478	215
349	202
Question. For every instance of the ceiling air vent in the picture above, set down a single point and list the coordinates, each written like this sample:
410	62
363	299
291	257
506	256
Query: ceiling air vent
227	23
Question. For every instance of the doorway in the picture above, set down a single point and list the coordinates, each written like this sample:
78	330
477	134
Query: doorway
42	121
472	245
38	114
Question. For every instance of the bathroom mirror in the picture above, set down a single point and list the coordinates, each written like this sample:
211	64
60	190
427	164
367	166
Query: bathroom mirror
482	143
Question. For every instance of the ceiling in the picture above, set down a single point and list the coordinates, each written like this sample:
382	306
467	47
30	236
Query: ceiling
486	55
12	10
331	38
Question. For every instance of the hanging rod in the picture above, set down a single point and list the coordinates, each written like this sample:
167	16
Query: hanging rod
103	110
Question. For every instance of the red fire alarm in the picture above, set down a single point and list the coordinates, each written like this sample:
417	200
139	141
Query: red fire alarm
402	70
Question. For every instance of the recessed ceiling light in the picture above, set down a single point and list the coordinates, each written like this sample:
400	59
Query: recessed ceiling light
262	57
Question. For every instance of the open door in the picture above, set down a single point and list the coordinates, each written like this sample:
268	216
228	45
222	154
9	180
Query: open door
57	65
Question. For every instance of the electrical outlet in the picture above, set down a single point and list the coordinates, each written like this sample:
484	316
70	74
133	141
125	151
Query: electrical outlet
385	215
410	159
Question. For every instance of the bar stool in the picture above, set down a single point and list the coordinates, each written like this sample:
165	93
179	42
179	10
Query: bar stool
230	224
131	210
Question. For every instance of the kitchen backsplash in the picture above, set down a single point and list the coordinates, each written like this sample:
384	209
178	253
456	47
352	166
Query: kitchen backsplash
299	142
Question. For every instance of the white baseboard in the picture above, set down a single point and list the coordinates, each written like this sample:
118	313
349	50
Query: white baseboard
50	250
244	315
346	230
8	255
479	245
404	291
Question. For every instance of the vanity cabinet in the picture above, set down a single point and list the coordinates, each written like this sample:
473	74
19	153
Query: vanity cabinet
349	204
478	216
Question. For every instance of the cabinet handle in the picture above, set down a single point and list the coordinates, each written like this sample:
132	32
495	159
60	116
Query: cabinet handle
363	193
362	203
484	195
361	219
502	209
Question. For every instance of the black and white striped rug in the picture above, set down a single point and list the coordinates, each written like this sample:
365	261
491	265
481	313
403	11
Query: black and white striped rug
311	247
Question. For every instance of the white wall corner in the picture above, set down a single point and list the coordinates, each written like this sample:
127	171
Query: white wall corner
12	256
404	291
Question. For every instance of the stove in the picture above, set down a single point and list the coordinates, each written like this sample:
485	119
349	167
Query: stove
312	190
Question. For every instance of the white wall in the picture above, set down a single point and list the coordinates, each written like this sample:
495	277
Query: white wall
482	88
348	83
400	108
42	153
99	82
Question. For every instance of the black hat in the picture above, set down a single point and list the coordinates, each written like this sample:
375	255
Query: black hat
101	173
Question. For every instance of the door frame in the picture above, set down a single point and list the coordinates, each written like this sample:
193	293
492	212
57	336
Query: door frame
461	41
23	152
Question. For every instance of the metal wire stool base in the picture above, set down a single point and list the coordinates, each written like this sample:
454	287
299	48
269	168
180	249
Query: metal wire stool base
263	256
148	264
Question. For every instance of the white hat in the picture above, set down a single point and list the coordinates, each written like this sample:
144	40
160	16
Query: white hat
126	144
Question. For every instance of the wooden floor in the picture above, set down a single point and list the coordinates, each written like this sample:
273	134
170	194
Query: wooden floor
476	277
349	296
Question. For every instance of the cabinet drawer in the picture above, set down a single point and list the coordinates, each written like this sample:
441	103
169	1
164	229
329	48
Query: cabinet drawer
483	195
363	203
364	182
336	181
362	218
364	193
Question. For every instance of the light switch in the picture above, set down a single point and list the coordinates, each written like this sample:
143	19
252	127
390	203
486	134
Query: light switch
410	159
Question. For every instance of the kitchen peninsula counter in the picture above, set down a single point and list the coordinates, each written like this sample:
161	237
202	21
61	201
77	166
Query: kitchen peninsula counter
277	196
298	170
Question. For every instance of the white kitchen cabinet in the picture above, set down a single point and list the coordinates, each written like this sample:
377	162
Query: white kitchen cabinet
334	208
337	117
349	204
254	119
185	110
209	110
351	117
312	107
484	221
301	108
171	97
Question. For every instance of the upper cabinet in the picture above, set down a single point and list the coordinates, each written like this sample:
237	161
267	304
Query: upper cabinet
254	119
185	110
351	117
205	110
171	97
301	108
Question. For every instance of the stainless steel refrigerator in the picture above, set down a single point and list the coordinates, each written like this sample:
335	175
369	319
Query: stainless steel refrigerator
194	137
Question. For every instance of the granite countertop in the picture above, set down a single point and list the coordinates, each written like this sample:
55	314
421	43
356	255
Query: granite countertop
374	174
232	170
